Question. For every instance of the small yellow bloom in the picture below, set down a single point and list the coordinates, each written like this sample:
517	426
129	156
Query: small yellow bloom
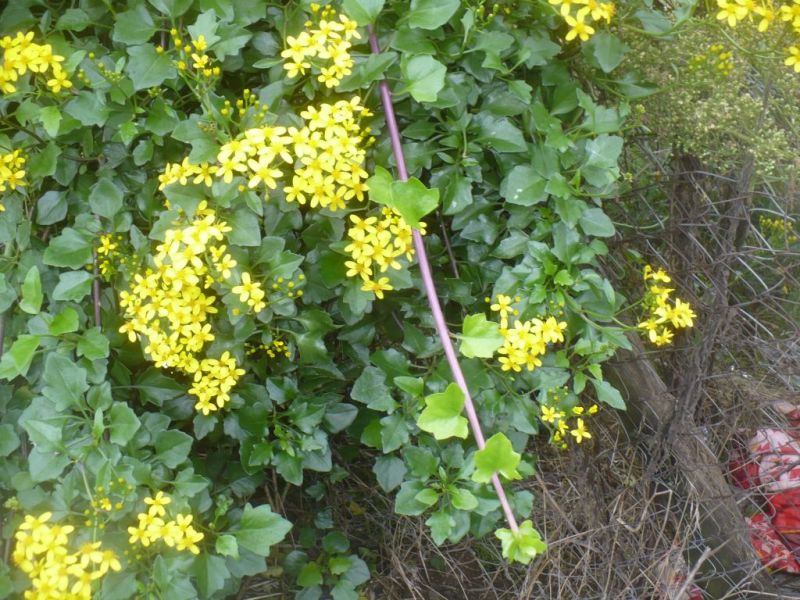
579	432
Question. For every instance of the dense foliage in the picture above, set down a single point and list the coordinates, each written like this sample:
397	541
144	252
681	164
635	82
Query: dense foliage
209	291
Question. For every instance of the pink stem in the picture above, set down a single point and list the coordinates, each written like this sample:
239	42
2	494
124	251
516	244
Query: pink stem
430	290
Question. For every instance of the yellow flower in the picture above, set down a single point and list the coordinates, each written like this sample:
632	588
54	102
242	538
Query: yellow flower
578	29
731	12
549	414
793	60
579	432
378	287
157	505
59	81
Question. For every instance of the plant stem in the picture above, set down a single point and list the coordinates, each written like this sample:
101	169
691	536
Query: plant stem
430	290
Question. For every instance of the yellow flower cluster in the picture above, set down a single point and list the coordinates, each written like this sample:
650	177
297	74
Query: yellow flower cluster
42	552
331	150
559	419
664	311
328	151
170	306
585	12
274	349
781	230
108	253
178	533
21	54
375	246
766	13
325	48
717	59
524	341
12	171
193	57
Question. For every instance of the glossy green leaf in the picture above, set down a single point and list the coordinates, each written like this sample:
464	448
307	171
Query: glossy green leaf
608	394
424	77
522	546
409	198
123	423
431	14
147	68
480	337
260	529
497	456
362	12
32	296
442	414
17	359
64	322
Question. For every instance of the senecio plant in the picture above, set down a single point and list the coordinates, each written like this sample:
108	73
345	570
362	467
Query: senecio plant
210	293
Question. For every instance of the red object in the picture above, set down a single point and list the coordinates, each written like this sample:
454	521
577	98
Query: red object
771	465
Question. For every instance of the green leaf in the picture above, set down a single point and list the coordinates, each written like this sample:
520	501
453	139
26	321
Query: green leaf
173	447
64	322
431	14
260	528
522	546
50	117
105	198
88	108
245	228
409	198
44	163
172	8
310	575
32	296
595	222
51	207
206	25
394	432
607	49
523	186
370	388
497	456
8	294
406	503
427	496
339	564
441	524
73	19
123	423
362	12
147	68
70	249
65	381
602	154
73	286
9	440
17	359
389	471
211	573
43	465
227	545
133	26
442	414
424	77
367	71
411	385
480	337
93	344
463	499
45	436
608	394
501	134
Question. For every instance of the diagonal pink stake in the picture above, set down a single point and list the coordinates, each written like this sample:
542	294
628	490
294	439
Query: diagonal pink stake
430	290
